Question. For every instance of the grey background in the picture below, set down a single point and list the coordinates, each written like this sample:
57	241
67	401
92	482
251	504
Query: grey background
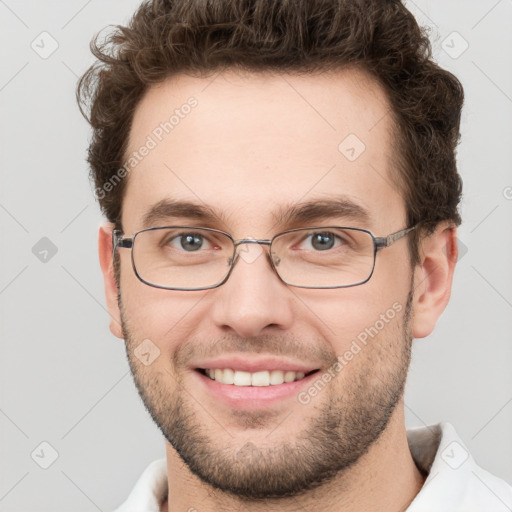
63	376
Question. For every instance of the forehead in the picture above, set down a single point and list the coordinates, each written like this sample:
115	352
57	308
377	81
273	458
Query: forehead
246	145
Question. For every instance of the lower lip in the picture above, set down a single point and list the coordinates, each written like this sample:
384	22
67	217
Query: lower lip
252	397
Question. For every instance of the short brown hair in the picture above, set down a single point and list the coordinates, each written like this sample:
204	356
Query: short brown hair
381	37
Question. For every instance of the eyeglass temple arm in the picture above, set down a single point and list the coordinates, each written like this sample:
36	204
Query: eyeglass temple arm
392	238
118	241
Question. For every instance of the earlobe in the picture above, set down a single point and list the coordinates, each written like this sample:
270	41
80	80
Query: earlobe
111	290
433	278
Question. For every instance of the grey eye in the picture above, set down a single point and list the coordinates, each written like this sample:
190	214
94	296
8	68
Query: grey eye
191	242
322	241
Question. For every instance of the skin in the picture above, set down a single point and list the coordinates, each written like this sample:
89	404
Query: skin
254	143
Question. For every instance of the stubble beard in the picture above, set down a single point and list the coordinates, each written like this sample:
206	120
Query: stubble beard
334	439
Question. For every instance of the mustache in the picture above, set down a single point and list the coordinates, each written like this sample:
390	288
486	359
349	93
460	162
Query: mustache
314	350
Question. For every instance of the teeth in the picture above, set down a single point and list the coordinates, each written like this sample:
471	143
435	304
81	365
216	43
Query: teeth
260	379
264	378
276	377
289	376
239	379
227	376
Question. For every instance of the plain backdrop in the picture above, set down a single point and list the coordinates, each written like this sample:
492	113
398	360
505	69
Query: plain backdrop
64	379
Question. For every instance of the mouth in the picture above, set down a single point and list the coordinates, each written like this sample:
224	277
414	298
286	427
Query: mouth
263	378
251	383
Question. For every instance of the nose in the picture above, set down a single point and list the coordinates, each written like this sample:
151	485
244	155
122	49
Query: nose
253	299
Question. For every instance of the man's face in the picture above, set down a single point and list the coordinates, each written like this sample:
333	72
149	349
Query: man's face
252	146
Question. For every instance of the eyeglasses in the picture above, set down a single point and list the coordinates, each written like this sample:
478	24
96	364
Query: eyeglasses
194	258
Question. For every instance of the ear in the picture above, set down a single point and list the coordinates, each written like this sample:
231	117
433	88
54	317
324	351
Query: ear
433	278
111	291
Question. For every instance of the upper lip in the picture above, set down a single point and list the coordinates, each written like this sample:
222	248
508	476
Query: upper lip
246	364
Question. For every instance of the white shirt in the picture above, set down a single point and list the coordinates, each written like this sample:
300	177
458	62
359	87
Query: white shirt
455	483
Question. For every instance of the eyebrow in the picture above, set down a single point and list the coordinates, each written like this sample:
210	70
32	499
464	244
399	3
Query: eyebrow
322	209
290	215
169	208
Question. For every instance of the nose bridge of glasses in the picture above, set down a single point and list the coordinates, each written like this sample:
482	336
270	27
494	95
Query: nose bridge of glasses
252	241
247	254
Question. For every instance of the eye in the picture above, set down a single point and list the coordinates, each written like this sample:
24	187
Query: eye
190	242
322	241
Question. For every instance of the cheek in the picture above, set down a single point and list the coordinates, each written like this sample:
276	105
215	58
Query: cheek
372	356
348	314
165	317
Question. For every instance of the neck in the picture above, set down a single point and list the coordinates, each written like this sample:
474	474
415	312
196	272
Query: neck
385	479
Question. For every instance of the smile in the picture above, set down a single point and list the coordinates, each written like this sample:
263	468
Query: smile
261	378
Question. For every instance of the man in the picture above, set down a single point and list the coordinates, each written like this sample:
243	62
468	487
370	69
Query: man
281	189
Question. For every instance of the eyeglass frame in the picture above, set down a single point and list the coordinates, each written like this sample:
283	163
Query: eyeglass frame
121	242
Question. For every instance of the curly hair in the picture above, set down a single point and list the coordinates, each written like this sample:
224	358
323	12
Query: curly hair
380	37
